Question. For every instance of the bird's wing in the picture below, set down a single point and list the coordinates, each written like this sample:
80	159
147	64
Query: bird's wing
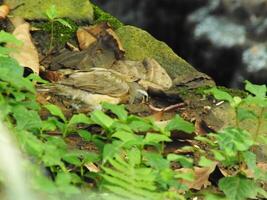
98	81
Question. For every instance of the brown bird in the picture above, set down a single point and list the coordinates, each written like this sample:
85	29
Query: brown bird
123	81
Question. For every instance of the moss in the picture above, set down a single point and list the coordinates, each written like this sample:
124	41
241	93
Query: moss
35	9
234	92
62	34
102	16
139	44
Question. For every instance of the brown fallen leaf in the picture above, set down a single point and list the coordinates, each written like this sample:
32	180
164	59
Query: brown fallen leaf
98	29
104	32
201	176
4	11
25	54
92	167
85	38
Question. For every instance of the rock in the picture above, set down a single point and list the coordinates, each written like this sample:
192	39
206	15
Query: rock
32	9
139	44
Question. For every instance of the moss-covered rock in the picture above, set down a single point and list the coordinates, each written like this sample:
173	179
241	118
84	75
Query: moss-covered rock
139	44
35	9
102	16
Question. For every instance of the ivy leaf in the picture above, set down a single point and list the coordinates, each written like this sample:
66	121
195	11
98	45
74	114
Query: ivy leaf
156	160
257	90
56	111
156	138
250	159
134	156
183	160
102	119
72	159
118	110
232	140
204	162
8	38
124	136
179	124
26	119
110	150
139	125
244	114
238	188
80	118
220	95
85	135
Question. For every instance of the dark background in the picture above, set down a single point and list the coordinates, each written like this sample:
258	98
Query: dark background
167	20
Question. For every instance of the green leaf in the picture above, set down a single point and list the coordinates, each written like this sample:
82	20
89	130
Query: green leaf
118	110
8	38
56	111
140	125
220	95
232	140
238	188
156	138
64	23
204	162
109	151
72	159
134	156
102	119
4	51
80	118
51	13
257	90
179	124
36	78
124	136
48	125
188	176
205	140
244	114
85	135
30	143
183	160
63	178
218	155
26	119
250	159
156	160
210	196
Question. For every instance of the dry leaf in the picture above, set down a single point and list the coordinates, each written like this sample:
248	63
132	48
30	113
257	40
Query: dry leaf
111	35
201	176
25	54
98	29
92	167
85	38
4	11
104	32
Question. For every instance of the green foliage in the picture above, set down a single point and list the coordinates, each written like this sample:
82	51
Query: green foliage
61	30
102	16
130	156
238	188
7	38
233	146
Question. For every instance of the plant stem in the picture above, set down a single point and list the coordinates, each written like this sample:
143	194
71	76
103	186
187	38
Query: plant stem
236	118
51	37
260	117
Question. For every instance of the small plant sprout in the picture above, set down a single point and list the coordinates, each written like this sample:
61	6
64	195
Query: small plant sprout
53	17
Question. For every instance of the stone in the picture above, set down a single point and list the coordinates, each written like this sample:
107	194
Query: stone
35	9
139	44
